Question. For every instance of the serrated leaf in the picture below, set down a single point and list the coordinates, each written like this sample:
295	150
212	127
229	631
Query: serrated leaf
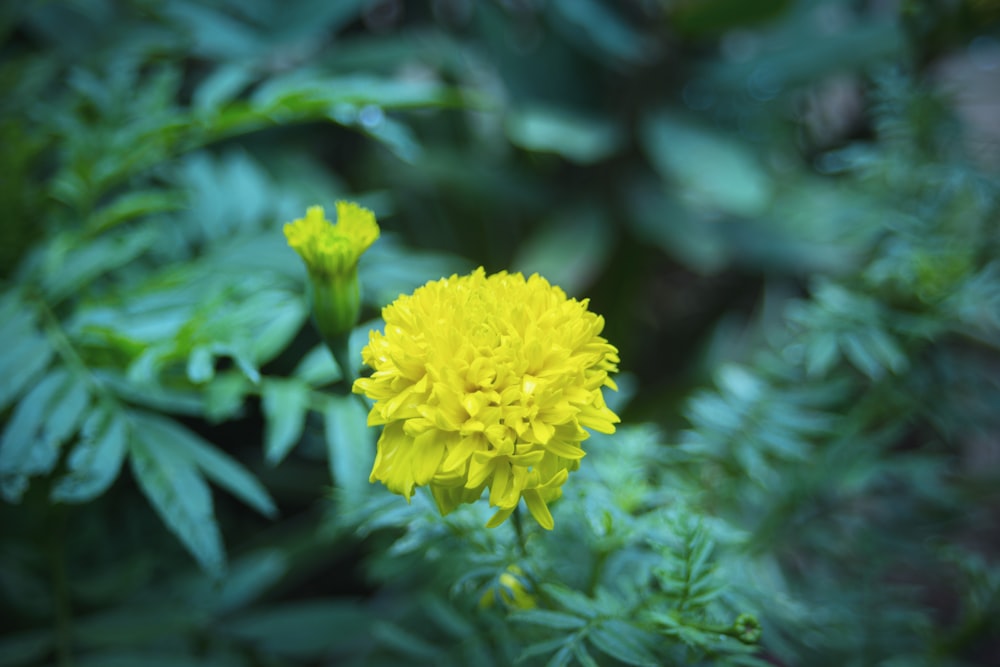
822	353
317	367
350	443
551	619
201	364
133	205
23	360
396	136
67	412
96	460
175	488
579	138
71	264
861	355
285	404
541	648
22	451
714	170
284	321
214	463
622	642
224	396
221	86
583	656
886	350
572	600
561	657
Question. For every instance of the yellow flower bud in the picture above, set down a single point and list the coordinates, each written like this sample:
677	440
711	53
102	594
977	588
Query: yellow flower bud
331	253
510	590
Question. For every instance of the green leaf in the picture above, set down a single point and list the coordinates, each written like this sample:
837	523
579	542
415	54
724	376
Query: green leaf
285	404
570	252
583	656
298	92
67	413
96	460
861	353
541	648
22	451
822	353
622	641
24	352
715	170
225	395
132	205
886	350
550	619
284	320
577	137
572	600
308	629
221	86
201	364
317	367
396	136
174	486
71	265
389	269
605	30
350	443
215	464
561	658
23	361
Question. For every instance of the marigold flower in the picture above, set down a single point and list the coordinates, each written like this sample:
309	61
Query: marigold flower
331	253
487	382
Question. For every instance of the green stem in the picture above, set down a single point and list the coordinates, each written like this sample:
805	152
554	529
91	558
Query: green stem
519	531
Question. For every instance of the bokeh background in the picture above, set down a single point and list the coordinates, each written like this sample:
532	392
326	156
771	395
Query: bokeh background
785	210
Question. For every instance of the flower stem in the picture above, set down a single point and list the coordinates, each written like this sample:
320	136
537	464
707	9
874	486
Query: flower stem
519	531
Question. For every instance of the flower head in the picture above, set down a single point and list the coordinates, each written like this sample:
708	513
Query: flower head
487	382
331	253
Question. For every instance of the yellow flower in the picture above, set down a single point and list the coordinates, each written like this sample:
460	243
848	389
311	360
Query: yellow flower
487	382
510	590
331	253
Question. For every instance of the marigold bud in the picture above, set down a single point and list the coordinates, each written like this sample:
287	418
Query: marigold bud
331	253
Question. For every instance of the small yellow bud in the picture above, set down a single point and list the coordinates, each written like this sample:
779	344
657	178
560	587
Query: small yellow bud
510	590
331	252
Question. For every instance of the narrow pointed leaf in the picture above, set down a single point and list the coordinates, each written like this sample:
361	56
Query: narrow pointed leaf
175	488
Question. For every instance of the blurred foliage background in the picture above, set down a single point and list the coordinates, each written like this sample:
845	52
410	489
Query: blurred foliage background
786	211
